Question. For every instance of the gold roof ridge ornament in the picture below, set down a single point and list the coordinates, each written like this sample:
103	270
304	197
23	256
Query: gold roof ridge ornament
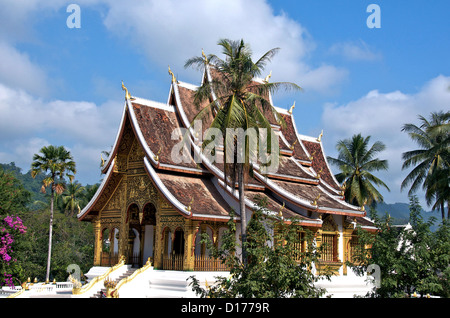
319	173
320	136
204	56
266	80
292	146
189	207
156	157
291	109
280	213
174	80
127	93
315	201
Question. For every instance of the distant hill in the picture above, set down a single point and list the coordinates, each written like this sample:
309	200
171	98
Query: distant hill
33	185
400	212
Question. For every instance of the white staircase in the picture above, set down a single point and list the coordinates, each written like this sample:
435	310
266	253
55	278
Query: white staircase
175	284
345	286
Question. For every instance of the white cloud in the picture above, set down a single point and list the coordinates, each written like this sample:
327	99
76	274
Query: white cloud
17	70
27	123
381	116
355	51
170	32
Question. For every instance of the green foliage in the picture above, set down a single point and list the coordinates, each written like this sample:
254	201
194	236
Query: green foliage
431	162
271	270
411	260
356	162
73	241
13	197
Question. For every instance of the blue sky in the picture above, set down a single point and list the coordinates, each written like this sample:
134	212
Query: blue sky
62	86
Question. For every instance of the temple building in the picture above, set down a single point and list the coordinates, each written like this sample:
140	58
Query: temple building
152	205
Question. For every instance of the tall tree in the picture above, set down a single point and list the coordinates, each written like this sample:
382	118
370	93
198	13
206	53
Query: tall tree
356	162
431	161
72	197
240	103
58	163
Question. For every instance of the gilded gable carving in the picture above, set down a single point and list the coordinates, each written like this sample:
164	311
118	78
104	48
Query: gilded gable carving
117	200
329	224
136	152
141	191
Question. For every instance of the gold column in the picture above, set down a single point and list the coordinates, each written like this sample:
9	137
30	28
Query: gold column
97	241
189	245
158	243
347	236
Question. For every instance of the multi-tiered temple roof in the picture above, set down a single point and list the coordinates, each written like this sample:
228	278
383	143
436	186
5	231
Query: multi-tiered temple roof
303	187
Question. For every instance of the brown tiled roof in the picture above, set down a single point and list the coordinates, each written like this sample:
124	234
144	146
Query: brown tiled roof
288	167
197	192
156	126
359	220
191	110
291	137
319	163
311	193
275	206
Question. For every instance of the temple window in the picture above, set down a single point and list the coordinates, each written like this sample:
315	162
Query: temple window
330	234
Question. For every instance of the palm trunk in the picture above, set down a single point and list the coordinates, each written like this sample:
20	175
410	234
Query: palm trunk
442	211
242	211
50	234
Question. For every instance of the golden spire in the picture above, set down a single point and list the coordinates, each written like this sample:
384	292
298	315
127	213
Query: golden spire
268	77
320	136
127	94
291	109
204	56
173	76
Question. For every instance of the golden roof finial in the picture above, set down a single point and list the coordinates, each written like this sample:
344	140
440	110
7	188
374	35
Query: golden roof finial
204	56
320	136
291	109
173	76
315	200
292	146
318	174
189	207
103	160
268	77
280	213
127	94
156	157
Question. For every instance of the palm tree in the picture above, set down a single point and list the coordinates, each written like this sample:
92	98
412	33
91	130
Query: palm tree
240	103
72	197
58	163
431	162
356	162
